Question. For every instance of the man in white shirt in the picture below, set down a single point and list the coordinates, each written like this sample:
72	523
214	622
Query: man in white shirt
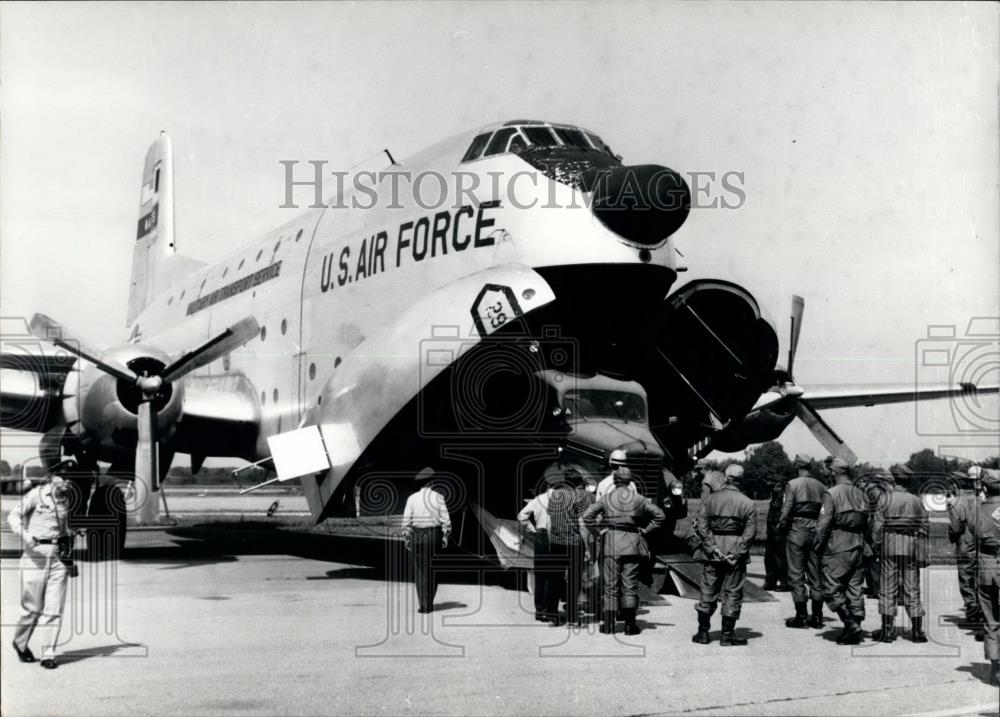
615	461
534	520
40	519
426	524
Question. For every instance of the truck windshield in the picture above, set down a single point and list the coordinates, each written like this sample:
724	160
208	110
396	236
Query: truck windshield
604	404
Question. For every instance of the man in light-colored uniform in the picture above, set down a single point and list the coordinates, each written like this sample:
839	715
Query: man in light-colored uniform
40	519
426	524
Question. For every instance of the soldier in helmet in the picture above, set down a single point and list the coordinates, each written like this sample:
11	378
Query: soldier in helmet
900	527
986	531
623	518
726	524
799	511
962	508
840	531
616	461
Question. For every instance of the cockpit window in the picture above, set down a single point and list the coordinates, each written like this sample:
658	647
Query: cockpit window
573	137
541	136
604	404
476	148
510	138
498	144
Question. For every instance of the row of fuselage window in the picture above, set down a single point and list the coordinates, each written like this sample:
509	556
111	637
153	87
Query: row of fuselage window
225	272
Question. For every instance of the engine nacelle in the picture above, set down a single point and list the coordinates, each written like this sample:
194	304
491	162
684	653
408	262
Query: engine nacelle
108	407
760	426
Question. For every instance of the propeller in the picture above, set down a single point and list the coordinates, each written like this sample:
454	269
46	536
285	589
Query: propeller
150	386
798	307
806	413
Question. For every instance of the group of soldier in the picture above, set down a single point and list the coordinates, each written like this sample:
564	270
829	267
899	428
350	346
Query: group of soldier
822	544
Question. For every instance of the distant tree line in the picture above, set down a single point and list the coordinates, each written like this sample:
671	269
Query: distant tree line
768	462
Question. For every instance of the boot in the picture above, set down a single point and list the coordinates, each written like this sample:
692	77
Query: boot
630	627
917	633
608	624
995	672
801	619
851	634
704	622
816	620
888	632
729	638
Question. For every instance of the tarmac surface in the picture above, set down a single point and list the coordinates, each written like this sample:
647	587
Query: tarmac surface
226	619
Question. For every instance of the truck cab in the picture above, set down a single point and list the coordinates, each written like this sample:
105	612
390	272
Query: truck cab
602	414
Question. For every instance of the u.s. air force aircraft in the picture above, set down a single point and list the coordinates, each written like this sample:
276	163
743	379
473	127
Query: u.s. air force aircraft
511	325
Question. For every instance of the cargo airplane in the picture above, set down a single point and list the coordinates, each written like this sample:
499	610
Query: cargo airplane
515	324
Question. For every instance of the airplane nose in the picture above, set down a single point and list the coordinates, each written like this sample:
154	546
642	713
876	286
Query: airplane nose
645	203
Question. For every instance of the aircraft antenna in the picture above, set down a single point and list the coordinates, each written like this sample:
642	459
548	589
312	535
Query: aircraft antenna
389	155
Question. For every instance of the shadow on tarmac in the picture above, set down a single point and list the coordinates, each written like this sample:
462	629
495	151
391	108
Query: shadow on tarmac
370	556
66	658
979	670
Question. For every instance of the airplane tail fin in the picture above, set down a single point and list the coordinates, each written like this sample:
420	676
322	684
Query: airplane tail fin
155	261
154	241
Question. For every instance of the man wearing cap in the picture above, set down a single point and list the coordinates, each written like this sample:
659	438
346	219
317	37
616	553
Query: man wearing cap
616	461
900	527
40	519
799	511
986	531
840	532
726	524
567	502
962	508
426	524
623	517
534	520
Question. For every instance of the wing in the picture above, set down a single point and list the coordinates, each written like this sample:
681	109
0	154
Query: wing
218	419
872	396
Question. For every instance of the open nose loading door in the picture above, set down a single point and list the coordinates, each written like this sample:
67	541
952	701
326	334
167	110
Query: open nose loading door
713	356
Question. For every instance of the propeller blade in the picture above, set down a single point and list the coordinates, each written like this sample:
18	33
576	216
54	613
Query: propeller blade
47	329
824	434
147	465
232	338
50	447
798	307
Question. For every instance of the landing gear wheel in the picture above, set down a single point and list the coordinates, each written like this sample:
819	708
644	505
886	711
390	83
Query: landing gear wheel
107	523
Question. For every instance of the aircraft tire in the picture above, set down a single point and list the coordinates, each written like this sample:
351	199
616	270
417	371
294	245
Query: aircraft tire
106	538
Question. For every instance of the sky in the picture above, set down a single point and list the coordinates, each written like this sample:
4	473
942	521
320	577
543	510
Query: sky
867	135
